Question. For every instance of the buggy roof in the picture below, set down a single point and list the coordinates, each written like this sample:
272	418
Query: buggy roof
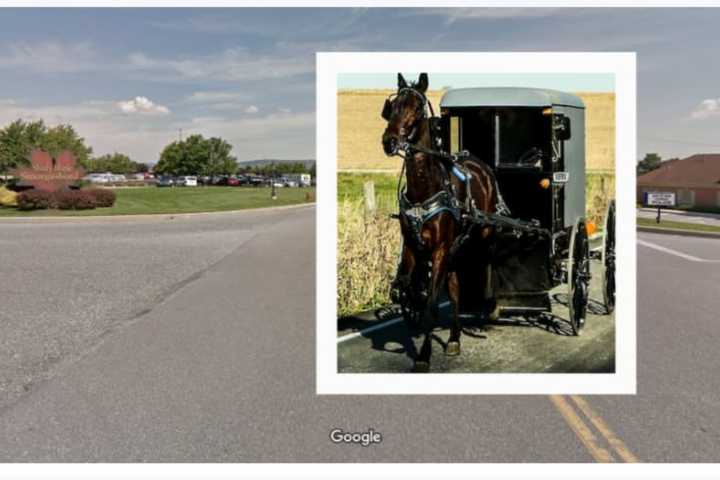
508	97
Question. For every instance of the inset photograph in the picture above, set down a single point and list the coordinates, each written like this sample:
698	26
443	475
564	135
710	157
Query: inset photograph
476	219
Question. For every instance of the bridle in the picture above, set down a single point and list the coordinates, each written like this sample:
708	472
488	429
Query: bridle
445	199
388	108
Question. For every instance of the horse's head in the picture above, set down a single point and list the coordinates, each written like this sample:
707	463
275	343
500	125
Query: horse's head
404	111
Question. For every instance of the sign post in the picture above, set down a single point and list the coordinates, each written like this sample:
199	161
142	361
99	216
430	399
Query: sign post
659	200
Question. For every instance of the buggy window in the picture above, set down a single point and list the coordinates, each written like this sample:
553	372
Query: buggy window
524	137
504	137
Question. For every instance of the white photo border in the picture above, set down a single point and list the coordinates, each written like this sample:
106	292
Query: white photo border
329	66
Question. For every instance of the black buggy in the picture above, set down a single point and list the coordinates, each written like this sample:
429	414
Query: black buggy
534	141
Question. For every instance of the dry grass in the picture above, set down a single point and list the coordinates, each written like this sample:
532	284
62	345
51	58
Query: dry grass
367	253
599	188
368	246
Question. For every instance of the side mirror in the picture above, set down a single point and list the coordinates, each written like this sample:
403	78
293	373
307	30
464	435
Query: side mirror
561	125
387	110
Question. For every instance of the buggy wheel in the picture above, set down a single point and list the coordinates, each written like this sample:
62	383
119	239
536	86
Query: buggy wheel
578	275
608	259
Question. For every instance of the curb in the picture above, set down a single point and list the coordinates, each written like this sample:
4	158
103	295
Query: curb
148	217
683	233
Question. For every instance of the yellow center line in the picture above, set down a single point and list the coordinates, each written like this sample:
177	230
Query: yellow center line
573	415
615	442
583	432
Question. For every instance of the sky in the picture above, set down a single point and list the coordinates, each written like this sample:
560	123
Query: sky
569	82
131	80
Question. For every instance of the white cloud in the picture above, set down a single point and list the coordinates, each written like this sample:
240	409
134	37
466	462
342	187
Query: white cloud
257	136
142	105
49	57
453	15
230	65
107	129
215	96
252	109
708	108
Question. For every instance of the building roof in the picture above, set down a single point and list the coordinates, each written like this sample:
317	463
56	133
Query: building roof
508	97
696	170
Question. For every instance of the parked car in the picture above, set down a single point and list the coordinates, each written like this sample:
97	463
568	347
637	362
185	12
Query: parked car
96	178
164	181
291	183
257	181
233	182
277	183
188	181
219	180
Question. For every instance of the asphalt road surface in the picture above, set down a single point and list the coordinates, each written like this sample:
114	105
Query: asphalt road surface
209	356
374	343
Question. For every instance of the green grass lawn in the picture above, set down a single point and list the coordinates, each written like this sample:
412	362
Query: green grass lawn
147	200
350	187
650	222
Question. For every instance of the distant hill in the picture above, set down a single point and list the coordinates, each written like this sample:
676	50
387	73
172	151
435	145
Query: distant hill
268	161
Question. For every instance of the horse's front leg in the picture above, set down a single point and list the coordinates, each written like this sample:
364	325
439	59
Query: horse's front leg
453	345
432	312
403	277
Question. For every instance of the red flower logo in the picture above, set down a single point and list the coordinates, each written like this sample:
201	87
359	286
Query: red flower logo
50	174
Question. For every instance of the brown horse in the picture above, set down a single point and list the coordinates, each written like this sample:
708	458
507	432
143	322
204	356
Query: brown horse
431	239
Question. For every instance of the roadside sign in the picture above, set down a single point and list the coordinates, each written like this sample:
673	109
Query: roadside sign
660	199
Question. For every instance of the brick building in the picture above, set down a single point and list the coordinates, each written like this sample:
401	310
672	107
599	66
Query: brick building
695	180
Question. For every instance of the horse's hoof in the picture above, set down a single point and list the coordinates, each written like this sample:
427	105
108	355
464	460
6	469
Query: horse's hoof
494	315
453	349
421	367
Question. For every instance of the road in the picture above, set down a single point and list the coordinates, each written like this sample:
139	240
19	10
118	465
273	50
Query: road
220	365
512	344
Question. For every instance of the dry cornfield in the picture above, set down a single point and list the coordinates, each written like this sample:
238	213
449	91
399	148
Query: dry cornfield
367	253
360	127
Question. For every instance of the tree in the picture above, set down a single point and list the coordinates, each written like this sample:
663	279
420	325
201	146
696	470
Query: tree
114	163
651	162
19	138
197	155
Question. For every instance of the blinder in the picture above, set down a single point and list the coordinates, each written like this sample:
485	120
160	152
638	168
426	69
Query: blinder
387	110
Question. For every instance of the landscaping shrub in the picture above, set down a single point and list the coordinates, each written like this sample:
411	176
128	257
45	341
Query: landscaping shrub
103	197
34	199
74	200
8	198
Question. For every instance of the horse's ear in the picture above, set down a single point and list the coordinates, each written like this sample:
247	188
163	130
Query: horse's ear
401	81
422	84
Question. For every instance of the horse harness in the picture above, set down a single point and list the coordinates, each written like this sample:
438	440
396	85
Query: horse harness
416	215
